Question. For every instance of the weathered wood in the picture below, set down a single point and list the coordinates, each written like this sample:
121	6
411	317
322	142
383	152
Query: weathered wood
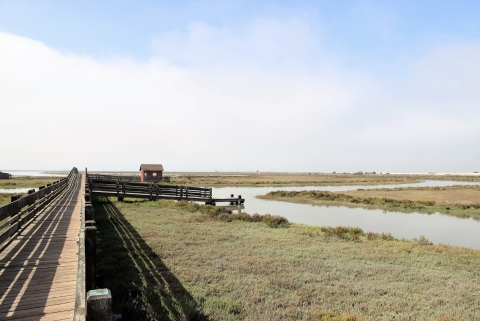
38	269
16	205
168	197
90	257
99	305
88	211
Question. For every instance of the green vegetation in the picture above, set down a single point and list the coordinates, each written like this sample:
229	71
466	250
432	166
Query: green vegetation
27	182
23	182
306	179
284	179
4	198
179	261
461	201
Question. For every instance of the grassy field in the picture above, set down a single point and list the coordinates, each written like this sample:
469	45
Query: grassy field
23	182
306	179
27	182
461	201
173	261
278	179
5	198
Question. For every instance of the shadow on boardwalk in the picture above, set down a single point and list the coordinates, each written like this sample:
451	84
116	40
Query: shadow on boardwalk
143	288
40	263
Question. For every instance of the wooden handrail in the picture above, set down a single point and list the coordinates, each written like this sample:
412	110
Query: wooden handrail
35	202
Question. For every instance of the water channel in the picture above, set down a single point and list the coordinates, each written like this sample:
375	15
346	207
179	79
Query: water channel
27	173
438	228
16	173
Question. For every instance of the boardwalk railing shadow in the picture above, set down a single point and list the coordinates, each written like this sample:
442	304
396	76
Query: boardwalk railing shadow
143	288
28	271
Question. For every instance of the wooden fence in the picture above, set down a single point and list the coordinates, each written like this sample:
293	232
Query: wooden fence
91	303
123	178
155	191
22	211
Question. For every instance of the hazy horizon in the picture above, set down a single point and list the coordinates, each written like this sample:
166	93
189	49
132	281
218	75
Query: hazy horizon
237	172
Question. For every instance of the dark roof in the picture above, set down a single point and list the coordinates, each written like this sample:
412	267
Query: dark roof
151	167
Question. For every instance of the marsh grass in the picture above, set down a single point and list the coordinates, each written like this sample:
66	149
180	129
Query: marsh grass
4	200
27	181
6	197
22	182
164	262
306	179
143	288
224	214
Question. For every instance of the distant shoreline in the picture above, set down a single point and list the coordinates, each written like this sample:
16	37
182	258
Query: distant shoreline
220	173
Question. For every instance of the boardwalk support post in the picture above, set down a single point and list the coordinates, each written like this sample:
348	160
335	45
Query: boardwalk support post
89	211
99	306
90	257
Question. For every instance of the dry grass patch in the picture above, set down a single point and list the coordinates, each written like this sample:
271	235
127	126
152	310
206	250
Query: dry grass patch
5	198
163	262
458	195
23	182
27	182
306	179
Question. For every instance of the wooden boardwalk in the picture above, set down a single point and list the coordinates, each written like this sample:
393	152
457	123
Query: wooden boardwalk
38	270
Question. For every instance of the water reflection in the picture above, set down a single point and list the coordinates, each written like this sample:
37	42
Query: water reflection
436	227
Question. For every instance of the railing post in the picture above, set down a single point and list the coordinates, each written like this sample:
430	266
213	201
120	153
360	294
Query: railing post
90	257
99	306
89	211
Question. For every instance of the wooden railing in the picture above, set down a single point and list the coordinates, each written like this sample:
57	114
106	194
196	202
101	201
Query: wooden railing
121	188
91	303
124	178
21	212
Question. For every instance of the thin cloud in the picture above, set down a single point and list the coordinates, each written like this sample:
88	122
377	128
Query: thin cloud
265	96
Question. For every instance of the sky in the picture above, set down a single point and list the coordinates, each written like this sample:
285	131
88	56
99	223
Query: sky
286	86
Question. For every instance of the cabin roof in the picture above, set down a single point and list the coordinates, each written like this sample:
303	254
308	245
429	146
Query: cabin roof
151	167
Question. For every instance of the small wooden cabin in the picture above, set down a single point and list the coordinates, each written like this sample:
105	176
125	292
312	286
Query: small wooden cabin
5	175
151	172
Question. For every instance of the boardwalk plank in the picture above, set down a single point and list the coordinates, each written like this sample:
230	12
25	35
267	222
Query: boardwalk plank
38	270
